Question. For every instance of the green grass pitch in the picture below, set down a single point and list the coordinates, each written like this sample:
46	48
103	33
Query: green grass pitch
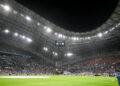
60	81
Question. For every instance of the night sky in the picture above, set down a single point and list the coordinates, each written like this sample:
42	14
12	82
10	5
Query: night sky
74	15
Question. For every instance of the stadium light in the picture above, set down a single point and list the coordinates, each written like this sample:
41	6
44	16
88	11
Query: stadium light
63	36
106	32
45	27
45	48
100	34
54	53
38	24
48	30
118	24
69	54
15	34
56	33
22	15
6	7
29	40
6	31
60	35
112	29
15	12
88	37
75	38
23	37
28	18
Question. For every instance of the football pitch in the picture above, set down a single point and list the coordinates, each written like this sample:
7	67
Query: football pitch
57	81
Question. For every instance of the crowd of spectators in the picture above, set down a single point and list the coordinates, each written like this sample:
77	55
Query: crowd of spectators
100	66
12	64
20	65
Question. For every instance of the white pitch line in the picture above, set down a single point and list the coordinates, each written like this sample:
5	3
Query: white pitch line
24	77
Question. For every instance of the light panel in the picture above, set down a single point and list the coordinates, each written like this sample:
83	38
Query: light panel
45	48
75	38
106	32
48	30
28	18
60	35
56	33
15	34
22	15
38	24
6	31
15	12
23	37
55	53
29	40
100	35
69	54
6	7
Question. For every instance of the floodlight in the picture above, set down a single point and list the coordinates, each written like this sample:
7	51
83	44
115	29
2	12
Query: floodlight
106	32
88	37
15	12
69	54
38	24
45	49
100	34
54	53
22	15
15	34
48	30
60	35
75	38
112	28
56	33
63	36
45	27
118	24
23	37
29	40
6	7
28	18
6	31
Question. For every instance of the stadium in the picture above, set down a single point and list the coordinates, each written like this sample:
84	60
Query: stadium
36	52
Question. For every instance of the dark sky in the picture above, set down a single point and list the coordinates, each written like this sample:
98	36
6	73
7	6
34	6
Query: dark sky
74	15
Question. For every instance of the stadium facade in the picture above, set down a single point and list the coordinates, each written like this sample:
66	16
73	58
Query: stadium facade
26	33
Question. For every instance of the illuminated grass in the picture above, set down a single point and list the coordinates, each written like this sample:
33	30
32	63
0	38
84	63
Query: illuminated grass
60	81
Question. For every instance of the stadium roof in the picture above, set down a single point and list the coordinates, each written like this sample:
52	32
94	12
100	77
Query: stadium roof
22	30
